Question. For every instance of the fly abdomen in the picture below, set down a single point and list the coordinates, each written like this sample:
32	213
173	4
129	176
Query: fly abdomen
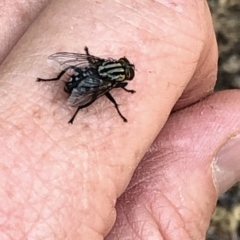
71	84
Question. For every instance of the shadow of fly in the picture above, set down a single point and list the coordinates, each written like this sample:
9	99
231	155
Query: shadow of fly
91	78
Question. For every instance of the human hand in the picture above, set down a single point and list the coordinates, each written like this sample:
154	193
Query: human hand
60	181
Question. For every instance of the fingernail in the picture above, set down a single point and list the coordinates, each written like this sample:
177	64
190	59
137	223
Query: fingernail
226	165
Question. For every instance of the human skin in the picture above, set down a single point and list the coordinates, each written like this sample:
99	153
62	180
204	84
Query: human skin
61	181
15	18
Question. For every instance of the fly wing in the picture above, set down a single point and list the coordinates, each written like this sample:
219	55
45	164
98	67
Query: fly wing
66	59
88	90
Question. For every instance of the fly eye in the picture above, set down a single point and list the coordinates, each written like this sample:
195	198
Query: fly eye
130	73
124	61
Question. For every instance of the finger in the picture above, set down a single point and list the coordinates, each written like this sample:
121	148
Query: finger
203	81
15	18
194	159
91	162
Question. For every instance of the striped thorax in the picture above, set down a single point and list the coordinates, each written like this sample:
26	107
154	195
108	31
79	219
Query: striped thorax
120	70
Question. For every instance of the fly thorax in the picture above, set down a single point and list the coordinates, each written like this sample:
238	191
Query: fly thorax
112	70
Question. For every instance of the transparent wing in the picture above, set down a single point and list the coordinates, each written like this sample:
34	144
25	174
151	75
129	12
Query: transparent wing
88	91
66	59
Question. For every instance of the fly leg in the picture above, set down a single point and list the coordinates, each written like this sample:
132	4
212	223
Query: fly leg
58	76
88	55
123	86
87	51
74	115
109	96
91	59
127	90
79	108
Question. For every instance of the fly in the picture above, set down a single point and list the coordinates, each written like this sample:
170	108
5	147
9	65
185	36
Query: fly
91	78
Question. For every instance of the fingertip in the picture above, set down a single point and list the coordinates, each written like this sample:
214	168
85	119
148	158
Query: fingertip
226	167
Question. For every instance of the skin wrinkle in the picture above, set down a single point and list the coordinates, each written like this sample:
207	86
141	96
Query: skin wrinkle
197	233
47	207
138	181
167	23
22	107
44	147
121	211
131	224
137	25
196	85
152	216
172	44
188	223
203	60
200	19
11	211
180	218
186	17
103	219
12	143
114	15
200	228
182	16
14	27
